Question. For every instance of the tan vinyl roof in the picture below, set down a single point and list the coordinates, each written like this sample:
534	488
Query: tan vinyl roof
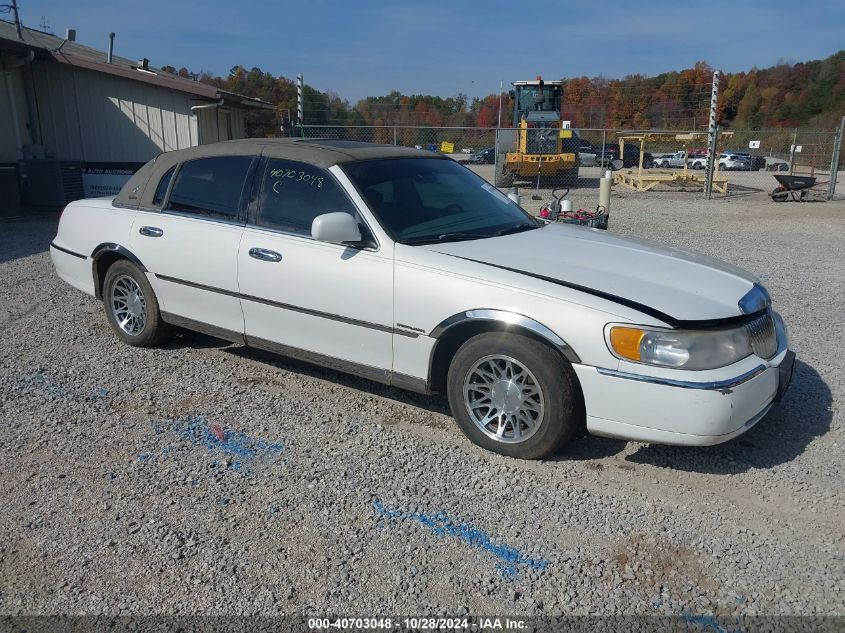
139	190
75	54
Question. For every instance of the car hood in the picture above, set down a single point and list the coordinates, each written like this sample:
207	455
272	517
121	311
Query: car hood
666	281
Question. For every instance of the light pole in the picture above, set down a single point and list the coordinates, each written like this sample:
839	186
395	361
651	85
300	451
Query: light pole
501	88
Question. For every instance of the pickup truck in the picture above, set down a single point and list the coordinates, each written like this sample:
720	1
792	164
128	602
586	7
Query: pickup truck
671	160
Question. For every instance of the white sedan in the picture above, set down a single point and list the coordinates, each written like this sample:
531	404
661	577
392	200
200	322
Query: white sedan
404	267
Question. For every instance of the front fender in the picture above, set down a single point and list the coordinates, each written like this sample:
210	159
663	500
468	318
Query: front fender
510	320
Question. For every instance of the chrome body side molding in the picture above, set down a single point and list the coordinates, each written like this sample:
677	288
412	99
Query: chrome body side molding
384	376
717	385
376	374
203	328
510	320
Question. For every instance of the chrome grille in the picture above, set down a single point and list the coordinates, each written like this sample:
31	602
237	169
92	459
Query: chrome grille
763	335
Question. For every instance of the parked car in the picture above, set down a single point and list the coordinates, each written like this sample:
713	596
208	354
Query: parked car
630	159
697	158
676	159
728	161
777	165
756	163
734	162
484	157
404	267
587	153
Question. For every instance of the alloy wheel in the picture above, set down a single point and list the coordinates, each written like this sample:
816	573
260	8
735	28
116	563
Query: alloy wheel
503	399
128	305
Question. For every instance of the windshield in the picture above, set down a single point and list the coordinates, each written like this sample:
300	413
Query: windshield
538	99
424	200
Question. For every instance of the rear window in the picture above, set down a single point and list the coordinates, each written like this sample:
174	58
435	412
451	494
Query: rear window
211	187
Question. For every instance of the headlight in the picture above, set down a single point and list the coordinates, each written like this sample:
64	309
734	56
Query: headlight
682	349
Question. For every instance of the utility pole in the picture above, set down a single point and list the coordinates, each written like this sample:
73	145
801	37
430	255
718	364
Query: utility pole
17	19
300	103
792	151
501	88
834	161
712	135
496	157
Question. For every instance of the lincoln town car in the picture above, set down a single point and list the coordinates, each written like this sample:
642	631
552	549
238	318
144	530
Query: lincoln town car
404	267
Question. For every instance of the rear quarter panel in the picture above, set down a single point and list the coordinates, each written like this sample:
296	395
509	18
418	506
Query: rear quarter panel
84	226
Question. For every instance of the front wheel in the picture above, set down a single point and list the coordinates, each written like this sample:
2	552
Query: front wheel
514	395
132	307
779	194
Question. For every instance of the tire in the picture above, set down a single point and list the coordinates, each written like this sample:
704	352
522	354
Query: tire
779	194
545	426
502	178
132	307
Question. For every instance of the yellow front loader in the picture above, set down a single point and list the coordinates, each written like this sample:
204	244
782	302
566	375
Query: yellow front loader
538	145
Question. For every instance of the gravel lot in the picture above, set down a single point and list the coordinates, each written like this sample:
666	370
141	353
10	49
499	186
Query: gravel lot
208	478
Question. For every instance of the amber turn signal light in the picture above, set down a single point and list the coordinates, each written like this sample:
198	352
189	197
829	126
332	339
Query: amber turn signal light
626	341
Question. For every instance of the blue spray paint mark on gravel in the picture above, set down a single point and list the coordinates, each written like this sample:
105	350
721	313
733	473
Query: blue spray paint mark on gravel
511	559
241	447
242	451
704	622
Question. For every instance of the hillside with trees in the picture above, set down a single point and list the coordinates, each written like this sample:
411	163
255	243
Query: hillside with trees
804	94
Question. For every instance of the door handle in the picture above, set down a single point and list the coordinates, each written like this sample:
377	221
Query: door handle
265	255
151	231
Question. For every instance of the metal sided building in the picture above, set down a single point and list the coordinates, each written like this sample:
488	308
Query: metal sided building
77	122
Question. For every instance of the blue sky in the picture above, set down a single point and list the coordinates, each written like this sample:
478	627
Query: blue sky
363	47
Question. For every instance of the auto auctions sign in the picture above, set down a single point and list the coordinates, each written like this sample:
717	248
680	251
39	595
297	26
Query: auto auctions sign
106	179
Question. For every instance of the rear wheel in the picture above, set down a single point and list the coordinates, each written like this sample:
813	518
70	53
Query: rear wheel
132	307
513	395
503	177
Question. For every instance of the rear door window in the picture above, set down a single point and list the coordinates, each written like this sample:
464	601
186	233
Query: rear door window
211	187
163	184
293	194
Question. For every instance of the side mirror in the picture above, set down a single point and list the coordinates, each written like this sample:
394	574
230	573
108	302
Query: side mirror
335	228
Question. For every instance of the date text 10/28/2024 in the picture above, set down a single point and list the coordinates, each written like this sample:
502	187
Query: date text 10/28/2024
419	623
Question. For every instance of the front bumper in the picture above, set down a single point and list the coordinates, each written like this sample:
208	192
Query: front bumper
663	410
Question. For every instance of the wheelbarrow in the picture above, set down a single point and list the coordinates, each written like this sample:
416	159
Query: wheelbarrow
795	186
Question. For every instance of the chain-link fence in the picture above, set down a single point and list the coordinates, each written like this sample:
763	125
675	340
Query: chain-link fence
750	159
544	159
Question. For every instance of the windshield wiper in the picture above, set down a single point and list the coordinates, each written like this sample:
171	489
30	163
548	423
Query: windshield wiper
445	237
519	228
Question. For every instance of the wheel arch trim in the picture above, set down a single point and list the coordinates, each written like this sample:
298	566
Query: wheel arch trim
510	320
106	248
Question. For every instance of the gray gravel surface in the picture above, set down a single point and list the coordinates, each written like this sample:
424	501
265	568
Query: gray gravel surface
202	477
